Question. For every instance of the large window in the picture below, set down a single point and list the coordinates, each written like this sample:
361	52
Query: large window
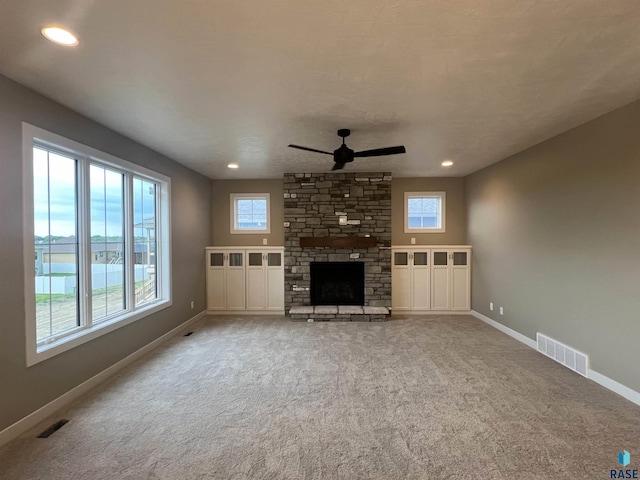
100	243
424	212
250	213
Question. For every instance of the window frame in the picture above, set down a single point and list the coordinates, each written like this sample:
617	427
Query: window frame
85	156
442	213
233	198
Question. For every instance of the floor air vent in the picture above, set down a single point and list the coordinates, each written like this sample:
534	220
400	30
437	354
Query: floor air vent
53	428
561	353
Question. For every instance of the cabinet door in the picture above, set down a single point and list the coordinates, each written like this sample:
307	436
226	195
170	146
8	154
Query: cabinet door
400	280
256	283
460	280
265	280
215	280
235	277
275	281
420	280
440	281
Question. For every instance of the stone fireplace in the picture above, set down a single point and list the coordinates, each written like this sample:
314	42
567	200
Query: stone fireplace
337	217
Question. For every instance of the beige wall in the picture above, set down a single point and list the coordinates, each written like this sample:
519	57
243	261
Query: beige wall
23	390
455	214
455	233
220	204
556	236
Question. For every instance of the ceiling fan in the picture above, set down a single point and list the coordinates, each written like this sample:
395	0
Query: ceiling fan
343	154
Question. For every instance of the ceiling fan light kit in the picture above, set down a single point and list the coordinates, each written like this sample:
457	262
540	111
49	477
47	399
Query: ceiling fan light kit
343	154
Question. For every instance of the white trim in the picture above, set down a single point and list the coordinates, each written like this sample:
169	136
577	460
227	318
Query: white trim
233	230
398	312
42	413
504	329
27	240
614	386
430	245
84	335
269	248
443	210
85	156
600	379
245	312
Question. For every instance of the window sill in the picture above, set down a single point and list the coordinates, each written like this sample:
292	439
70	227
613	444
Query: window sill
46	351
424	230
250	232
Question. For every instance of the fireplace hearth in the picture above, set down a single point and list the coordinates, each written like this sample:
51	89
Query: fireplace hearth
337	283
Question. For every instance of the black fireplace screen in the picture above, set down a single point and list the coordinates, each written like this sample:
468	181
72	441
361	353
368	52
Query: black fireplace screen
337	283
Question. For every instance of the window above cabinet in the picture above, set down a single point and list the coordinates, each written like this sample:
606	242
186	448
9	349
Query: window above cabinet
424	212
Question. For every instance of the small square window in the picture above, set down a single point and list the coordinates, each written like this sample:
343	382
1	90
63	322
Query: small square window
424	212
250	213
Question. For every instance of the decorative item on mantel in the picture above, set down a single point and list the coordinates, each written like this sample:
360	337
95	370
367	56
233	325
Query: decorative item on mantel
351	241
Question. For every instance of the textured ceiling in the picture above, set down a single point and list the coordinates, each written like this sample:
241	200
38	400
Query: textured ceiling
208	82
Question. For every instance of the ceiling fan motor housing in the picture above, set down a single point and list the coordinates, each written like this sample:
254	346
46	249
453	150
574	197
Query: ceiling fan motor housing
343	154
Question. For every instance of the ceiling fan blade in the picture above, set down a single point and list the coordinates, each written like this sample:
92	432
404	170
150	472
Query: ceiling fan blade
337	166
310	149
377	152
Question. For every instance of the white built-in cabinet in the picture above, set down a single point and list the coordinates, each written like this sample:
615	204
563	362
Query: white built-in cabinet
430	279
450	279
225	279
410	279
247	280
265	280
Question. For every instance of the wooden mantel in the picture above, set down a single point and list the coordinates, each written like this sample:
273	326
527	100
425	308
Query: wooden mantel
352	241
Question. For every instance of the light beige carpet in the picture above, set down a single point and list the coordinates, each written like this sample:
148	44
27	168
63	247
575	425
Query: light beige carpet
265	398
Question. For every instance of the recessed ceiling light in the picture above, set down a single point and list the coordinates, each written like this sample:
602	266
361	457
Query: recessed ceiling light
60	36
447	163
233	165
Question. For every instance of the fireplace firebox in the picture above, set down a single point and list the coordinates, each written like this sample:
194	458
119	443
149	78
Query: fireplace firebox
337	283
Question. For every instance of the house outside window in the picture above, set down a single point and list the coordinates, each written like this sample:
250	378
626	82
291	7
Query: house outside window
424	212
97	229
250	213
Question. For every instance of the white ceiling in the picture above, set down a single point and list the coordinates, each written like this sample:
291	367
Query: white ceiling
208	82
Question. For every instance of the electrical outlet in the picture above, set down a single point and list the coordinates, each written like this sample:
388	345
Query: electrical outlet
413	241
501	311
264	241
192	305
491	306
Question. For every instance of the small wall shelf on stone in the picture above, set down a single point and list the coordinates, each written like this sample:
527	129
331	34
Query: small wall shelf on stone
351	241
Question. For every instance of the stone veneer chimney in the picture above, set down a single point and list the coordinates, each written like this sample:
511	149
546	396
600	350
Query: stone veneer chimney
313	204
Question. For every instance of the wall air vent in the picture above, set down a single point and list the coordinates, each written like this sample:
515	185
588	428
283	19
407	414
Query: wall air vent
561	353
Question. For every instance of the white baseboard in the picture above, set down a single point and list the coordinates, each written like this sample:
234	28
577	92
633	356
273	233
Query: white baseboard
429	312
509	331
599	378
245	312
42	413
614	386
